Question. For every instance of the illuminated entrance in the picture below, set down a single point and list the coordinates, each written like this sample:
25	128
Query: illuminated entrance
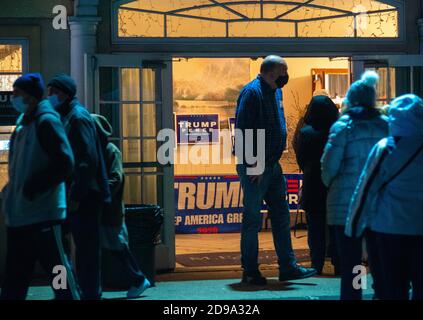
173	41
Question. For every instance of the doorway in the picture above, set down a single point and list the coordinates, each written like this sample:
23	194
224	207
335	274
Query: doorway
134	94
208	195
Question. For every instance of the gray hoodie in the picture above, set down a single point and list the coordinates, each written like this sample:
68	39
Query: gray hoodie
40	160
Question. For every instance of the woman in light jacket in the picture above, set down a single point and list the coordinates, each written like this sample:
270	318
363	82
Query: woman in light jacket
350	141
389	200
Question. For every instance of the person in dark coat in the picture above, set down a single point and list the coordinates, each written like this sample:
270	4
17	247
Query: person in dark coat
322	113
113	232
88	189
260	106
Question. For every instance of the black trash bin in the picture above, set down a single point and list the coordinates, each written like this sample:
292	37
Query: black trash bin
144	223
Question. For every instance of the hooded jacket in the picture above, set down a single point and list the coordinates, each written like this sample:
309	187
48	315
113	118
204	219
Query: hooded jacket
350	141
389	196
40	160
89	175
113	213
321	114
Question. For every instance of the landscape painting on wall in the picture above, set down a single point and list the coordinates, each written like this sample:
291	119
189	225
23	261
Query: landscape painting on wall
209	86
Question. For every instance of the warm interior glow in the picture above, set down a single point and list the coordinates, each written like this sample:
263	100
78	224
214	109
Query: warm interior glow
212	86
257	19
10	65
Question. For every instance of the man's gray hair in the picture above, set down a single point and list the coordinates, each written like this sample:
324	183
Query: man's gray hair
270	63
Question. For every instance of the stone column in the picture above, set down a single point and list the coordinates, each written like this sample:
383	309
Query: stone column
83	40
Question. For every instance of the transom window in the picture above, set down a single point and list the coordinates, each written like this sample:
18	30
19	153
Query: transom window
257	19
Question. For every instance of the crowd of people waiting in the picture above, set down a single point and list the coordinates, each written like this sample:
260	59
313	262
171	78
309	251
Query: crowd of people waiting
363	173
65	182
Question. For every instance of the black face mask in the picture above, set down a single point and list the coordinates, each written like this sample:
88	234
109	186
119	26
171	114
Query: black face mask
282	81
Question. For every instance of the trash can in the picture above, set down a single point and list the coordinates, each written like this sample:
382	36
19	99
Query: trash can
144	223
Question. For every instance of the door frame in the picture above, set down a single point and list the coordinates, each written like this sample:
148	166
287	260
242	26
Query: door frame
358	65
404	60
165	251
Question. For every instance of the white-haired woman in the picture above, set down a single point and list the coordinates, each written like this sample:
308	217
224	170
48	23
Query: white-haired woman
350	141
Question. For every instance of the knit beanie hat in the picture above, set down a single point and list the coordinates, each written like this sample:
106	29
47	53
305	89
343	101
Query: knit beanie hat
65	83
32	84
362	93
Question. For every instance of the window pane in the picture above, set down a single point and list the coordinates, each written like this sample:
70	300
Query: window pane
131	120
3	175
261	29
250	10
308	13
132	192
149	120
244	17
378	25
130	84
341	27
164	6
7	80
367	5
10	58
149	183
131	151
187	27
139	24
149	151
111	113
149	84
109	84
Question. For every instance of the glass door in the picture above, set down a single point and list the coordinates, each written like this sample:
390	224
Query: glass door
399	74
134	95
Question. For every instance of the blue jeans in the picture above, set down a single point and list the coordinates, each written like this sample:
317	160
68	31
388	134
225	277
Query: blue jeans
272	189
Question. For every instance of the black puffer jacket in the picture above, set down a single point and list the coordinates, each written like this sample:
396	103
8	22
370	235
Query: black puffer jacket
322	113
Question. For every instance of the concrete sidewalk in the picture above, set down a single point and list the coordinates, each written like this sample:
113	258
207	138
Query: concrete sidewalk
317	288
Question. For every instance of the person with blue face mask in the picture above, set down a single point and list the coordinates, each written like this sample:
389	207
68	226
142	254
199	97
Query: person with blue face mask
34	199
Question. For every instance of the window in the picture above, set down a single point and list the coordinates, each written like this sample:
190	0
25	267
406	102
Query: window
257	18
10	65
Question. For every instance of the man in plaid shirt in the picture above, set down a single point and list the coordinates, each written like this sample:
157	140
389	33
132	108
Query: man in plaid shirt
260	107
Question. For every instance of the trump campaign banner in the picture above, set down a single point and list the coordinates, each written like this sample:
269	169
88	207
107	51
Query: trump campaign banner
197	128
213	203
